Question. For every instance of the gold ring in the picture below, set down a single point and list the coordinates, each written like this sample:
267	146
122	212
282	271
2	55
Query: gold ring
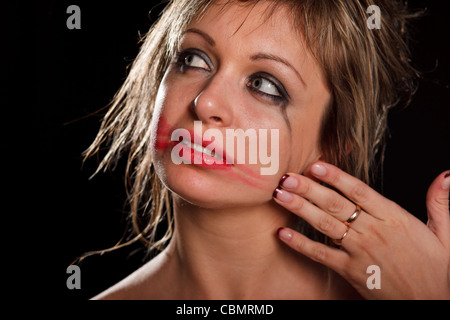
353	217
339	241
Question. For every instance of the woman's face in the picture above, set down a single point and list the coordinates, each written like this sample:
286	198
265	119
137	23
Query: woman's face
237	74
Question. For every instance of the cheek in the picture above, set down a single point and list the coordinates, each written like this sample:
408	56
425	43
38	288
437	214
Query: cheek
161	130
303	146
170	107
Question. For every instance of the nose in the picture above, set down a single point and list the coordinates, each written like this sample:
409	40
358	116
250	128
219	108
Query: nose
213	105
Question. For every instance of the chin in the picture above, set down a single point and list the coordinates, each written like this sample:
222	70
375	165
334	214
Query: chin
211	189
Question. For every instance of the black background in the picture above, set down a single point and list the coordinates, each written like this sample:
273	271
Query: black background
77	72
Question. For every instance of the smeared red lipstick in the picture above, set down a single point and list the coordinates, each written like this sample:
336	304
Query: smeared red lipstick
203	153
187	150
162	134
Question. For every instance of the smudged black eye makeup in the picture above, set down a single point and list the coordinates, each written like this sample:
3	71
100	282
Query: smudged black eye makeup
268	87
194	59
263	84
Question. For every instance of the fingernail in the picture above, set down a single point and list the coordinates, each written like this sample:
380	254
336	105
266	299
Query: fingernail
284	177
288	182
318	170
284	234
282	195
446	183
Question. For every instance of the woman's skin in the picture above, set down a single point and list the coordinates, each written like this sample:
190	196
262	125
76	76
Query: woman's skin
235	75
413	258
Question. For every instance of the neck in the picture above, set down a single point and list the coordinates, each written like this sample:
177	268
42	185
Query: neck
236	254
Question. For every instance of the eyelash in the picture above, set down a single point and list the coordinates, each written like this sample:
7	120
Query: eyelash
180	59
282	99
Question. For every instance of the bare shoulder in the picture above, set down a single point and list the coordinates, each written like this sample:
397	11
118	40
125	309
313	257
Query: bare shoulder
148	282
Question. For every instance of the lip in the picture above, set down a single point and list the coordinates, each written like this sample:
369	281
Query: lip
163	142
202	159
226	158
250	177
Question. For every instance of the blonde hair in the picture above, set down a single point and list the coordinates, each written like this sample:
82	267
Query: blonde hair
368	72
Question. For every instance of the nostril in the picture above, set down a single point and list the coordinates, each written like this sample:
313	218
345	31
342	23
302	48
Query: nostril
216	118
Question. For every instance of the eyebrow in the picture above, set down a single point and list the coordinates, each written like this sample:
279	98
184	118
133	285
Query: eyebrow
260	56
208	39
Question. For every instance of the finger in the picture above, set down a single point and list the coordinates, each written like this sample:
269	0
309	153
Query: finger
333	258
328	200
438	208
316	217
354	189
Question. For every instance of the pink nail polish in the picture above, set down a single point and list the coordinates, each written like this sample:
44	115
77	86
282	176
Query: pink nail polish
318	170
282	195
284	234
290	183
284	177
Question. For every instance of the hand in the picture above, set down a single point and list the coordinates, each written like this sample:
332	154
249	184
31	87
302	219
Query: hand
413	258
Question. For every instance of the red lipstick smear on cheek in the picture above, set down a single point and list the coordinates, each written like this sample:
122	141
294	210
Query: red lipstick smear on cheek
251	181
246	175
162	134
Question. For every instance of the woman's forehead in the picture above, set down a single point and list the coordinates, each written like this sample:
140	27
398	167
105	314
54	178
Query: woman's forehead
258	28
249	16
